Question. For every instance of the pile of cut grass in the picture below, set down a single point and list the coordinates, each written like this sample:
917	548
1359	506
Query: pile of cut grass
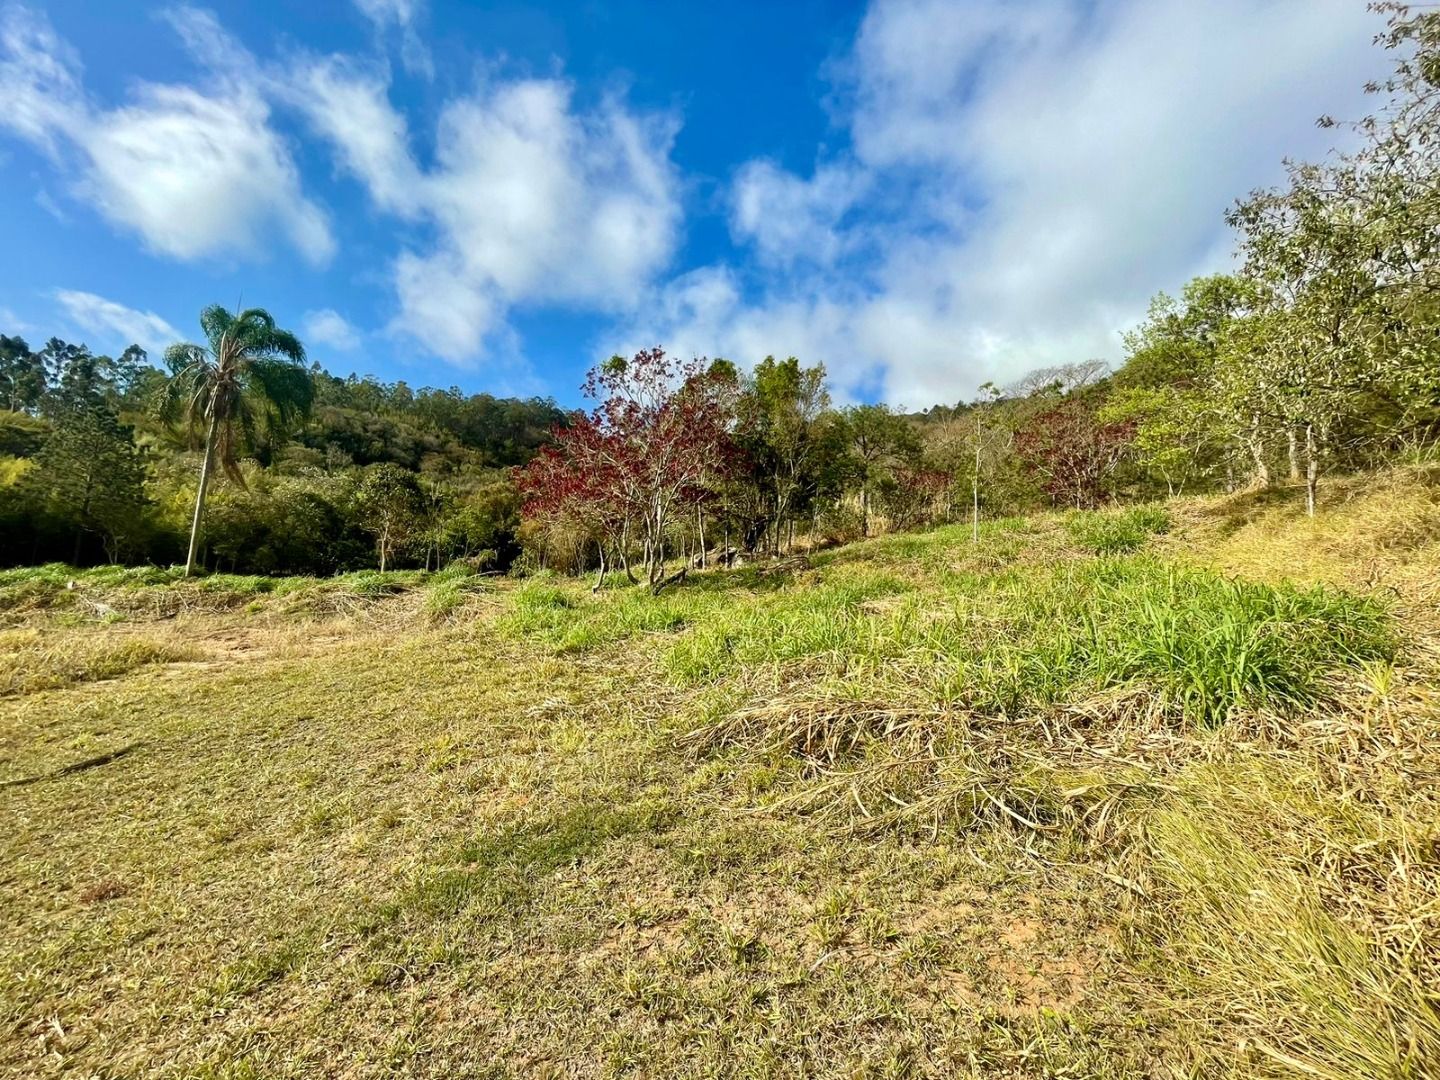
32	660
116	592
1258	932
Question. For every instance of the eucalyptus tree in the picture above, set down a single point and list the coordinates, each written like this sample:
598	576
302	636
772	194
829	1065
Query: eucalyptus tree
22	375
248	376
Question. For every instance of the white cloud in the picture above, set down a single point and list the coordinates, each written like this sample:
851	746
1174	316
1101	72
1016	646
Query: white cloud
790	219
529	200
329	327
115	324
402	15
46	202
196	173
12	325
1021	179
346	104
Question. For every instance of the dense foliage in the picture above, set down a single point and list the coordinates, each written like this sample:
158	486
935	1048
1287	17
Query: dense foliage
297	494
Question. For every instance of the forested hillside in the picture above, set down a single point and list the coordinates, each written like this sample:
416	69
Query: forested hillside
91	471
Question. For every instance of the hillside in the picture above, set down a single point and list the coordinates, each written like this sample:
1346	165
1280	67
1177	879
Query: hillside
1152	792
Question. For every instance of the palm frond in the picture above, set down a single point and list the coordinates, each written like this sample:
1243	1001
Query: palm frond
257	315
252	374
256	339
183	355
215	321
288	390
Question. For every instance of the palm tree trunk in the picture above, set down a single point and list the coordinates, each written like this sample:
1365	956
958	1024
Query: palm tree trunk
200	495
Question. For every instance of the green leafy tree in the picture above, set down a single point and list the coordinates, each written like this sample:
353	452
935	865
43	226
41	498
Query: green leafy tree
89	473
1167	388
22	375
782	432
248	379
391	507
878	440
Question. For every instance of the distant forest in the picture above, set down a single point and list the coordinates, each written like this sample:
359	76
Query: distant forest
91	471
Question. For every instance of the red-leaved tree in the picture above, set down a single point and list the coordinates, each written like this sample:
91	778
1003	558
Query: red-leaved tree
916	496
1073	452
655	449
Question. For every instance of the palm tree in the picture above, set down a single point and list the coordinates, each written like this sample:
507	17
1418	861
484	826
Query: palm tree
248	374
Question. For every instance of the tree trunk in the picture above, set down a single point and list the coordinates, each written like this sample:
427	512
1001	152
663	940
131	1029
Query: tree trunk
599	581
1256	446
975	488
1294	454
84	513
975	501
864	509
700	519
200	495
624	553
1311	470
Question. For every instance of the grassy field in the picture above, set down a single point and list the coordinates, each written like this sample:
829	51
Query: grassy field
1153	793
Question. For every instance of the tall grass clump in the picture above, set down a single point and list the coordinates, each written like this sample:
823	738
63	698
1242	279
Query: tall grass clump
449	588
31	661
790	624
1117	532
540	606
1204	645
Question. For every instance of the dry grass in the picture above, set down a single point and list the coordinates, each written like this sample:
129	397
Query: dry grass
762	825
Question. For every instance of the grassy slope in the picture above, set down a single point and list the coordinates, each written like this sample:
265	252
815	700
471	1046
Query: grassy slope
927	808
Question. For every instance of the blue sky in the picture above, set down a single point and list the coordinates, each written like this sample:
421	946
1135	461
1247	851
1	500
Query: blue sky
921	194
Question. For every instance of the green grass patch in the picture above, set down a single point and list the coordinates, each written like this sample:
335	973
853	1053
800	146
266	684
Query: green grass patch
1205	644
1116	532
796	622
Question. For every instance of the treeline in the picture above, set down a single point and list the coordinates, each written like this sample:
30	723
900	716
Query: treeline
92	469
1321	352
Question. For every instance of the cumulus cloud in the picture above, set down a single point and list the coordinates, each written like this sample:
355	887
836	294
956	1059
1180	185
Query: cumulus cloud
528	199
328	327
1019	180
196	173
115	324
790	219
